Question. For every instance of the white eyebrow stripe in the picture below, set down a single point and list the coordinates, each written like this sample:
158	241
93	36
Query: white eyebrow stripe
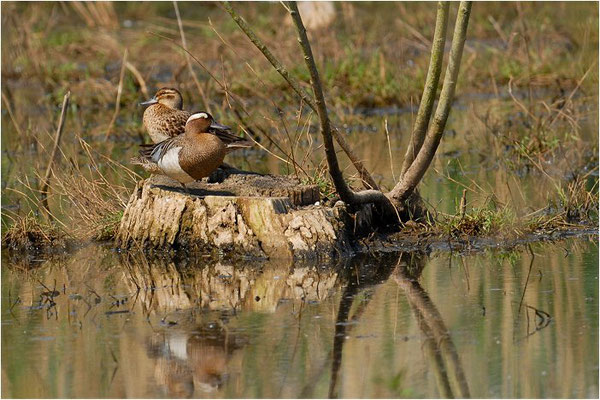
197	116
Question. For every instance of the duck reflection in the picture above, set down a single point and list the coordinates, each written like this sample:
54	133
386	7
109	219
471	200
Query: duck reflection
192	363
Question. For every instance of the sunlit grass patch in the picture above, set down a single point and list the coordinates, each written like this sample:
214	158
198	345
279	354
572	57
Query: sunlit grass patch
487	220
31	233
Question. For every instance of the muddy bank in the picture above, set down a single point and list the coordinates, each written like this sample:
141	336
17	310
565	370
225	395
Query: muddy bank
427	242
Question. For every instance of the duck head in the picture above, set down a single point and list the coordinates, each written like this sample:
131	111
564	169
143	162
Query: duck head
200	122
169	97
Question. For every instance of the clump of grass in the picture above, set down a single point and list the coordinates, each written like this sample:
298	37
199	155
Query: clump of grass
575	205
480	221
577	201
319	178
28	233
96	204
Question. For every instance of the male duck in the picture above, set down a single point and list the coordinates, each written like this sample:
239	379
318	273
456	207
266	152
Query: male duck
196	153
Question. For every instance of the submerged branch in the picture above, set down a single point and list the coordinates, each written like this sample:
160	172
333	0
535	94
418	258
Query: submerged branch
431	85
415	172
366	177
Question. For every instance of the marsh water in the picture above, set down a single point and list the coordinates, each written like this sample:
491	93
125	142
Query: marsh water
519	323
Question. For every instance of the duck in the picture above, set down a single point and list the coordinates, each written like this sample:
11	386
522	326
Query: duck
165	117
196	153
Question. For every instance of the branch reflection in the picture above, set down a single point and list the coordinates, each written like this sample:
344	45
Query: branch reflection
439	348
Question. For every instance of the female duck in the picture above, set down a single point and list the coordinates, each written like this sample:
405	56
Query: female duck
165	118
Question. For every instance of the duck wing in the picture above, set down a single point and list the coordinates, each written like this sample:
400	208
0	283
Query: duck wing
230	139
154	152
174	123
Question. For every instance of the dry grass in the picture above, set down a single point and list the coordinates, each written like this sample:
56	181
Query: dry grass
93	205
28	233
547	52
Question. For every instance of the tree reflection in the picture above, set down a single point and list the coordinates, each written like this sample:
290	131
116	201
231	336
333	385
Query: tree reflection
438	344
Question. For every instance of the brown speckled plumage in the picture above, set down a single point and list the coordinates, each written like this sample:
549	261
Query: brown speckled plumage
163	122
165	117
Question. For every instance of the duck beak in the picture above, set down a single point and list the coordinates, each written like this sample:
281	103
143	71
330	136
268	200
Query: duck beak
149	102
216	125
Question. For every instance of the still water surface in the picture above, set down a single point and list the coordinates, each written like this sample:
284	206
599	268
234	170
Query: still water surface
495	324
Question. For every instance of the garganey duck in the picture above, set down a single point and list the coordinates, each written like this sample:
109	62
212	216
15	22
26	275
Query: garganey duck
165	117
196	153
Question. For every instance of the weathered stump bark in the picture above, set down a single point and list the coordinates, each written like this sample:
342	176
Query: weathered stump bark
247	214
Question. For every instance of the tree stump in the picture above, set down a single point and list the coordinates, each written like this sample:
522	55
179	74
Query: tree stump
246	214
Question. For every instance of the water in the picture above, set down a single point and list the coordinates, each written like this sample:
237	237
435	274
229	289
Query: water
493	324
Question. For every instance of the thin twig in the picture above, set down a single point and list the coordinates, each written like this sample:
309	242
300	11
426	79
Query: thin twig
189	62
528	273
366	177
59	130
119	91
387	136
136	73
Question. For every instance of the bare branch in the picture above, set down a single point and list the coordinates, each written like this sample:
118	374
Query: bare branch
187	59
366	177
415	172
342	188
59	130
431	85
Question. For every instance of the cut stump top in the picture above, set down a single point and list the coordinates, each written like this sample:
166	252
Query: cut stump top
246	185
